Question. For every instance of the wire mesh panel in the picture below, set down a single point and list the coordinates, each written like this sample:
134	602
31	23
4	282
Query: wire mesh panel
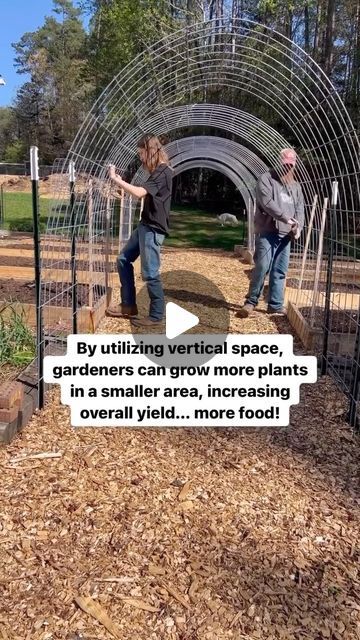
235	161
177	84
82	220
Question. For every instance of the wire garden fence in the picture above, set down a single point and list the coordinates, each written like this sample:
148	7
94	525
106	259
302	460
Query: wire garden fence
172	94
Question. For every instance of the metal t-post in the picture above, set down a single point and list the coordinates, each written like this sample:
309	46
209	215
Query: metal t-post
355	383
334	200
2	207
73	246
34	166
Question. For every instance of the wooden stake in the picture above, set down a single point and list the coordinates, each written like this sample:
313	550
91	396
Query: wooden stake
130	216
307	241
318	262
107	249
121	219
91	239
250	227
253	226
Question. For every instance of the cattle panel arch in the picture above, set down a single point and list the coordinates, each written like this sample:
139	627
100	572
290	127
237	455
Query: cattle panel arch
186	72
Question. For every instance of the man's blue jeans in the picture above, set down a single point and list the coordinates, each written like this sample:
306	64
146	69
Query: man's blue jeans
146	243
272	254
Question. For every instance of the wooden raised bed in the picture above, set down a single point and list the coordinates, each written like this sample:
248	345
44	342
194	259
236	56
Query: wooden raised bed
340	342
54	315
344	271
54	275
244	253
19	398
18	402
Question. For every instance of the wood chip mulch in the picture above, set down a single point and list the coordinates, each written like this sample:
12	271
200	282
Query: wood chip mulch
184	534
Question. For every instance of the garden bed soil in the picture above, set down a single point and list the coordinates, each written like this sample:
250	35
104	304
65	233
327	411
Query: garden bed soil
344	321
24	292
308	285
60	248
9	372
58	263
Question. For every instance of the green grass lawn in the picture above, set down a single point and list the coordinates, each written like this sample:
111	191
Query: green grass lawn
189	227
18	206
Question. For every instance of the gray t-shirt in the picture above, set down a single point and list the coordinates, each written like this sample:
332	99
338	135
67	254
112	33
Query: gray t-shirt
276	203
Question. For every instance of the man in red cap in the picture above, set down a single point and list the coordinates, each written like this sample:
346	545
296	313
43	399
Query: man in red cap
279	218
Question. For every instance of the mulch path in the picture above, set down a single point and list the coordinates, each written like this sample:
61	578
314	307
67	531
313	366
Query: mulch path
184	534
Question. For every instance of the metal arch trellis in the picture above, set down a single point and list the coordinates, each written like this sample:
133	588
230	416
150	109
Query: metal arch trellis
218	165
227	154
250	59
232	159
235	121
255	51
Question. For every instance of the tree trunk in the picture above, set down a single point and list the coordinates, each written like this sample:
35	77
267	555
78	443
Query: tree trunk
346	89
306	28
199	186
329	37
316	53
288	23
355	72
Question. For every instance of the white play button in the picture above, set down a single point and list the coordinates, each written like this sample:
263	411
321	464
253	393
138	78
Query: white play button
178	320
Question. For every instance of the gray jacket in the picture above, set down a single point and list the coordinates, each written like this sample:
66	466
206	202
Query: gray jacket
276	203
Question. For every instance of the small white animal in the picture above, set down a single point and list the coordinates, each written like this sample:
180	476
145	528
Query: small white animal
227	218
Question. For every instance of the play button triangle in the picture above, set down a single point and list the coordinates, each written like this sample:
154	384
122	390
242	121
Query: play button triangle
178	320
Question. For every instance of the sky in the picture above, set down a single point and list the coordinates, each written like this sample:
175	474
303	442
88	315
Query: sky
17	17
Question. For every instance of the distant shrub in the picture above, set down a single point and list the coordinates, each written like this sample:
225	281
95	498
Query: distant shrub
26	225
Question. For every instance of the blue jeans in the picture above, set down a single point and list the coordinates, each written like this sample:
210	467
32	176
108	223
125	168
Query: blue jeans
272	254
146	243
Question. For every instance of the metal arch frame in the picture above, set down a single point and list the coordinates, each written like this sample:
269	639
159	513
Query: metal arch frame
228	154
312	91
238	151
239	55
232	120
193	163
243	125
235	121
202	146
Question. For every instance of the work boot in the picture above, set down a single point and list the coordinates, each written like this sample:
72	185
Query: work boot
277	312
145	322
245	311
122	311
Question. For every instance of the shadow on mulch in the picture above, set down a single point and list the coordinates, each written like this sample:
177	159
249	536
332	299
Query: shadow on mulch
198	298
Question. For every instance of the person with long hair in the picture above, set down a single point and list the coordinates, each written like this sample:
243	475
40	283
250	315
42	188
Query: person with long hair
148	237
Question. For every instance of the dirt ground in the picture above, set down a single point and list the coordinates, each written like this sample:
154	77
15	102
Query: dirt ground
82	265
184	534
309	285
344	321
55	185
13	290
